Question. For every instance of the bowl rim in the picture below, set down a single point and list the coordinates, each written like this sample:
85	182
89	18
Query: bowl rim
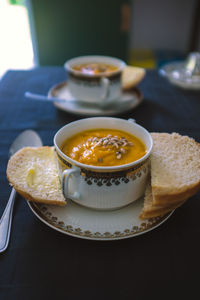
103	168
120	63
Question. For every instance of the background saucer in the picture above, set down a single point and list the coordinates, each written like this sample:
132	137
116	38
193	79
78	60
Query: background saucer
129	100
174	72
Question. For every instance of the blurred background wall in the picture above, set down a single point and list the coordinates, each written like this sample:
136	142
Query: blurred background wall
162	24
142	32
163	30
69	28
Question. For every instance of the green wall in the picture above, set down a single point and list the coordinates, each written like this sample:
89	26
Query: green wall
69	28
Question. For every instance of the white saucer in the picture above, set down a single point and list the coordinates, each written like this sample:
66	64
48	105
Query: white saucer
85	223
129	100
175	73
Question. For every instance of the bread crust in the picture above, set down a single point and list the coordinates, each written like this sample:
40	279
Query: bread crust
158	211
131	76
151	210
174	196
28	197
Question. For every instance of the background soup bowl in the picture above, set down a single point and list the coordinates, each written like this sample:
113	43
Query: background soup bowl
103	187
97	89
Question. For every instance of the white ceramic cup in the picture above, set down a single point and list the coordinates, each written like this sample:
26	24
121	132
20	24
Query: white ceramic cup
103	187
99	89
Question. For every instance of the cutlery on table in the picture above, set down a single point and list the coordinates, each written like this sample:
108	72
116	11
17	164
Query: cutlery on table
25	139
39	97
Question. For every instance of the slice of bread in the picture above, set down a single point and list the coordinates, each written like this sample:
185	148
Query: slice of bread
131	76
33	172
151	210
175	173
175	168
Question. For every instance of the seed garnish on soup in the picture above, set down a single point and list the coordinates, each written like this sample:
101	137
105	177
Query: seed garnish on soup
104	147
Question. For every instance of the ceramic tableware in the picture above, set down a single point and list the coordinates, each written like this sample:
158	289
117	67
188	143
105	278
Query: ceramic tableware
99	88
97	186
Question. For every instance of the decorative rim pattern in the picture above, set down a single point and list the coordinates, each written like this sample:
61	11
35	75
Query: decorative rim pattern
114	178
108	178
92	79
42	212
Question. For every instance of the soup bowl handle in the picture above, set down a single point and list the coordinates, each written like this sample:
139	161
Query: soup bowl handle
106	85
66	175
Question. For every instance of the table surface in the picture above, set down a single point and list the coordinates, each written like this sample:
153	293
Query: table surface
41	263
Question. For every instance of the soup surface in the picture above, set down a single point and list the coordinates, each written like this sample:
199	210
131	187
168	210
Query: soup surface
104	147
95	68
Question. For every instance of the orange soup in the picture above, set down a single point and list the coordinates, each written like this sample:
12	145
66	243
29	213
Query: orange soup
95	68
104	147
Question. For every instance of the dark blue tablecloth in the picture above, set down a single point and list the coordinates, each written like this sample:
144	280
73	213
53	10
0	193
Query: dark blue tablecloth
41	263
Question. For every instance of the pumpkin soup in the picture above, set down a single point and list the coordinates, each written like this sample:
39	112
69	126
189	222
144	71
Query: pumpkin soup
104	147
95	68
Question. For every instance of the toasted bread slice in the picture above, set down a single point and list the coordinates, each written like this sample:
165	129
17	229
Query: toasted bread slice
151	210
33	172
175	173
175	168
131	76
